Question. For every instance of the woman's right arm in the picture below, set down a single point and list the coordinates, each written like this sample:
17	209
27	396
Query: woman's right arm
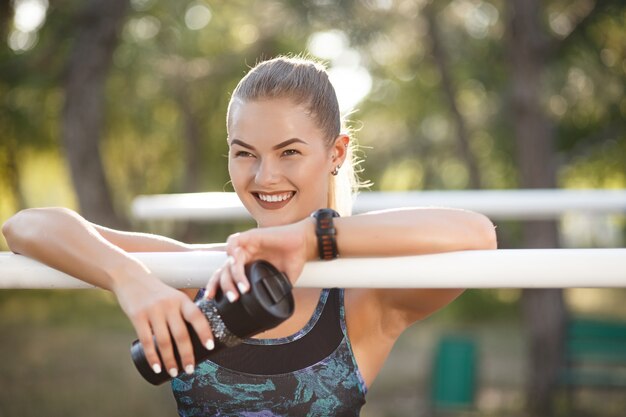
65	241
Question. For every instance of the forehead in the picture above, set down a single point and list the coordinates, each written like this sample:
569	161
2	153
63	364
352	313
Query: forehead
277	118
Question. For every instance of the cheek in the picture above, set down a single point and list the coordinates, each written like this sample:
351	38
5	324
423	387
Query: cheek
307	172
237	175
312	178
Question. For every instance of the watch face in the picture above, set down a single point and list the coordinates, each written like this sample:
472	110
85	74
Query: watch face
325	213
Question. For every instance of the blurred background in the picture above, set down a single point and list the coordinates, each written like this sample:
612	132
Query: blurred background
102	100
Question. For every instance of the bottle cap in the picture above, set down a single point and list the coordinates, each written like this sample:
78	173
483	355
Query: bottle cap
268	303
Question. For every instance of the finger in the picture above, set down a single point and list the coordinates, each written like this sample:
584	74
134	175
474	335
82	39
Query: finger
237	270
232	242
212	285
144	334
180	334
228	285
164	344
200	324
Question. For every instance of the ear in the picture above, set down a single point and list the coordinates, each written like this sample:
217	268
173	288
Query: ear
339	150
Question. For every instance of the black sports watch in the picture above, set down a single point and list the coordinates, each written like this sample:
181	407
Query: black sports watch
325	231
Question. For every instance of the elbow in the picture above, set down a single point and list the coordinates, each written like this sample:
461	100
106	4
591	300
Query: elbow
11	232
23	230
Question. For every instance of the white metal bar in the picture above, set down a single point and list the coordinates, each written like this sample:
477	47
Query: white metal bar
513	268
497	204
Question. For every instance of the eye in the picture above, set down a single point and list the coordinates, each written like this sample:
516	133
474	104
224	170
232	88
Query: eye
243	154
290	152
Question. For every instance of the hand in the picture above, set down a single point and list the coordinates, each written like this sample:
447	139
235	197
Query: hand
287	247
156	309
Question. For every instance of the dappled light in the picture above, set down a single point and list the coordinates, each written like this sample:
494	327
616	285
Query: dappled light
352	81
144	28
197	16
30	15
105	100
477	17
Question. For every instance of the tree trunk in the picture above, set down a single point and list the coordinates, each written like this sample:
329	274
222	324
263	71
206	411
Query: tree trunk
441	61
12	173
192	137
6	16
544	310
89	62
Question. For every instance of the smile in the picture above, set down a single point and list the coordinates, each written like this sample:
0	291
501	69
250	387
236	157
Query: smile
274	201
275	198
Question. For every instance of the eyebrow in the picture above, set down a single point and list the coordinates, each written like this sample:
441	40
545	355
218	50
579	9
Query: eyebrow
275	147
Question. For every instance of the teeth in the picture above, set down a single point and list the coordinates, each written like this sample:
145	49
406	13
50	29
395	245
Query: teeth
275	198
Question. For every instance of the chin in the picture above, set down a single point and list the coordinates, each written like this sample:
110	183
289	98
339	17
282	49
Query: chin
264	221
277	219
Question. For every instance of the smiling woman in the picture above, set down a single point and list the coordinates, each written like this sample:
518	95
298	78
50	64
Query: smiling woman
278	156
295	100
291	166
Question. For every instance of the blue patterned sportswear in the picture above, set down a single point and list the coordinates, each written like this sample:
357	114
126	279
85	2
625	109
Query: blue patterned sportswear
311	373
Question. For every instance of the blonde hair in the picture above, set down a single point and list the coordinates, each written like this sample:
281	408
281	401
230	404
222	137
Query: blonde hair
306	82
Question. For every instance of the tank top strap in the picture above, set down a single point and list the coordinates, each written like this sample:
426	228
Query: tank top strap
344	329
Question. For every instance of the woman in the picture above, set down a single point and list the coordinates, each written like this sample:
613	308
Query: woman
288	158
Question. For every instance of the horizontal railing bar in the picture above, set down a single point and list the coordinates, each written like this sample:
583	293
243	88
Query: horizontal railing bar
539	204
509	268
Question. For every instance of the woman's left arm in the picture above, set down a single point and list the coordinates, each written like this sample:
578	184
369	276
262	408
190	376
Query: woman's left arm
395	232
413	232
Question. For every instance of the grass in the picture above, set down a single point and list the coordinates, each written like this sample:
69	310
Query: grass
66	353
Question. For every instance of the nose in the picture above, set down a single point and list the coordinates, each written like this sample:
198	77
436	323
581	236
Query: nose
267	172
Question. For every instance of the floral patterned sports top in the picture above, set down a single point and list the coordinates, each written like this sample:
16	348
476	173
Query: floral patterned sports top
310	373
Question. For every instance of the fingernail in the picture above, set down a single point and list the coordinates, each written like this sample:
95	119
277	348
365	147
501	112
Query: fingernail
231	261
156	368
173	372
243	288
189	369
231	296
210	344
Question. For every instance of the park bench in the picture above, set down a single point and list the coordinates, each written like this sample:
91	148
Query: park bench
595	355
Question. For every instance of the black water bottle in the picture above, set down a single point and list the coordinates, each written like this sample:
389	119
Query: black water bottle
268	303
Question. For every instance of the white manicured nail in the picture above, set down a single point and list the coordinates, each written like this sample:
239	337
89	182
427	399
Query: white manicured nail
210	344
173	372
189	369
156	368
243	288
231	296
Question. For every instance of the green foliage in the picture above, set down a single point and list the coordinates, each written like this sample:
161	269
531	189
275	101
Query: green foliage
177	62
483	306
62	307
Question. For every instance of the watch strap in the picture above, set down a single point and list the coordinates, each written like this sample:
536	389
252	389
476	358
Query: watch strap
326	233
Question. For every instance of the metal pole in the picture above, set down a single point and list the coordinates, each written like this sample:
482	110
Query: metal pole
510	268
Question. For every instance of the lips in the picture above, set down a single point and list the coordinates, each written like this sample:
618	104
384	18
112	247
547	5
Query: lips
273	201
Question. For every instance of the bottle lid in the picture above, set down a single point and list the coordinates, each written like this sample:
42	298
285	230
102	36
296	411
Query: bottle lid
268	303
